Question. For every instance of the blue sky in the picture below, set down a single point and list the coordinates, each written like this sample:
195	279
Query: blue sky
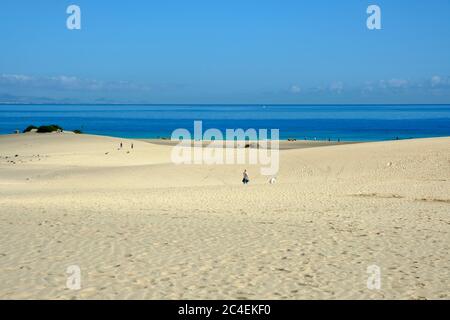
231	51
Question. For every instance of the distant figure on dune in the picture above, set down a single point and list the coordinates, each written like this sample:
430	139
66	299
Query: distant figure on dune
121	145
132	146
245	179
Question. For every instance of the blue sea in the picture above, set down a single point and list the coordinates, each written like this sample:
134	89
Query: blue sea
322	122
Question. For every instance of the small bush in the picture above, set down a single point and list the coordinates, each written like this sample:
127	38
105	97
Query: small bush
77	131
50	128
29	128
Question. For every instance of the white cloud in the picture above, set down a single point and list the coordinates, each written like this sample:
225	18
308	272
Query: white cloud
435	80
397	83
295	89
337	87
394	84
14	78
69	83
440	82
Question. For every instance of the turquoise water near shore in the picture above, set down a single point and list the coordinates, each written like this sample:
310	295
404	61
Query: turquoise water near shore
322	122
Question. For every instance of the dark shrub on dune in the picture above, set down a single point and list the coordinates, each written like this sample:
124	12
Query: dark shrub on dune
29	128
50	128
77	131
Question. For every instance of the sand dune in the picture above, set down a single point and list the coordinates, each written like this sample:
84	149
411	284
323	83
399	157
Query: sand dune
142	227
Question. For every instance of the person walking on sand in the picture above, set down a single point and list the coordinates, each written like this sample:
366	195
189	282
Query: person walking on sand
245	179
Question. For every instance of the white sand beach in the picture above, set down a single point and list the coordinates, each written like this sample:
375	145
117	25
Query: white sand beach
141	227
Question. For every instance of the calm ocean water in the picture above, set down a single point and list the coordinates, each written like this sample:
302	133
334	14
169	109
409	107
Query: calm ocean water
351	123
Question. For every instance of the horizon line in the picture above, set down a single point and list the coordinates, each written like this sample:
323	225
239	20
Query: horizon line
228	104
